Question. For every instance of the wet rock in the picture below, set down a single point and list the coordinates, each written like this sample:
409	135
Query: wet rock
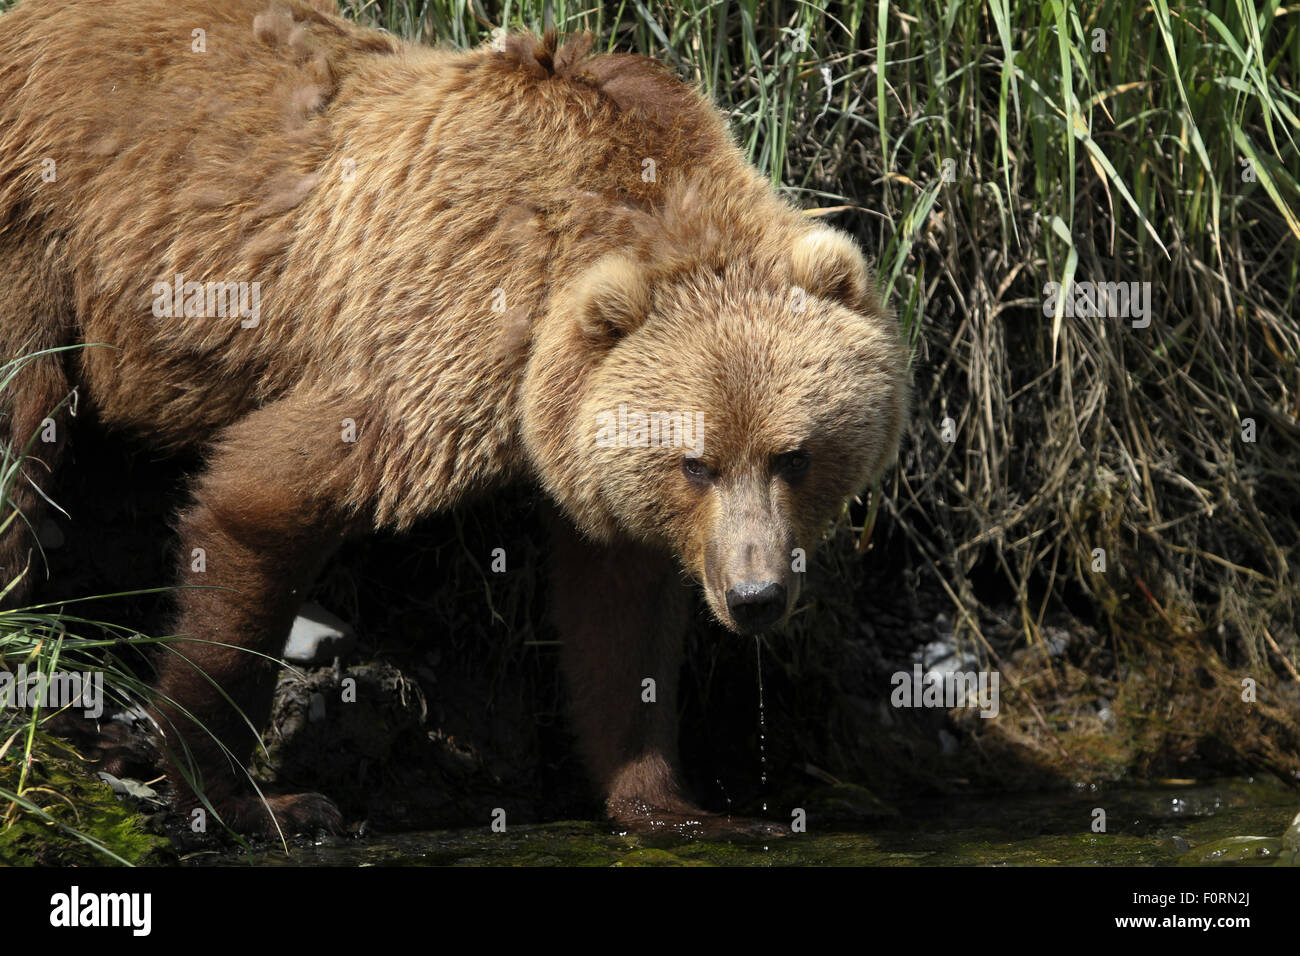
1177	844
318	637
1238	849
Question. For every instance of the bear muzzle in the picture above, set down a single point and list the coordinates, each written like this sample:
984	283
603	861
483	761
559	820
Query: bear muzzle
756	606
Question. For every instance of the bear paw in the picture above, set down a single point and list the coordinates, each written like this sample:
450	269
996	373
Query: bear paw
307	813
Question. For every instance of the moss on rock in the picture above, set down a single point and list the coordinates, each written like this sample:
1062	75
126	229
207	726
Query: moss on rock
75	801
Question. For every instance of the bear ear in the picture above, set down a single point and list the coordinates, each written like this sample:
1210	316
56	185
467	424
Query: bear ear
612	299
828	264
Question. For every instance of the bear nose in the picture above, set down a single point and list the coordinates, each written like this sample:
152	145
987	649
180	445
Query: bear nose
756	606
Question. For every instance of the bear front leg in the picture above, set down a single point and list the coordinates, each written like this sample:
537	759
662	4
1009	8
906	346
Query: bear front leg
621	612
263	522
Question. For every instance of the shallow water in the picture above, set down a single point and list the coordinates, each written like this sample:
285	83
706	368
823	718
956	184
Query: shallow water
1174	824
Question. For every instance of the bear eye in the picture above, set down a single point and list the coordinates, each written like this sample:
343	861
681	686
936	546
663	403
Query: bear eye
696	471
793	463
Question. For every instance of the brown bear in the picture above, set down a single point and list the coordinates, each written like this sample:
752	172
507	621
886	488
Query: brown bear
370	280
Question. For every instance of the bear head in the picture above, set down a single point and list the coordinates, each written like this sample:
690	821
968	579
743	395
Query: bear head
724	409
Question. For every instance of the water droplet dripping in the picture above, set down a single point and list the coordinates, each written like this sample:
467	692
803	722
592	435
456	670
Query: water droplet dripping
762	721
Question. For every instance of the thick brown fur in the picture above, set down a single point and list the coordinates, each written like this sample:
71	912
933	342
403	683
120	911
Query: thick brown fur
464	259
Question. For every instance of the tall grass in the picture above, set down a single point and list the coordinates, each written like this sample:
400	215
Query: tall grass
41	640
